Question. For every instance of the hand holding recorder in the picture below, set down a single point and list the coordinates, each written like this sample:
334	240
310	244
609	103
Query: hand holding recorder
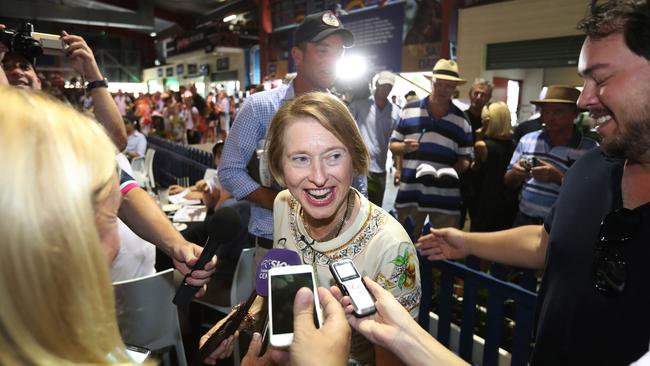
393	328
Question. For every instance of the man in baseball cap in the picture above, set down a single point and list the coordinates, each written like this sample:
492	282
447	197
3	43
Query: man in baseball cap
376	118
316	27
318	44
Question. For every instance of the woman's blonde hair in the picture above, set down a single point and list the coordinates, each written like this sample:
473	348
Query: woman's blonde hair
57	305
330	113
498	125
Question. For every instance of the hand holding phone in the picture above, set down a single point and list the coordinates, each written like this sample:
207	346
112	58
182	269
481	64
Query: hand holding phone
350	283
284	283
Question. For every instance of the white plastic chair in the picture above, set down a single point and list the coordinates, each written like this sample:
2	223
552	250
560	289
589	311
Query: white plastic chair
148	164
148	318
242	286
140	171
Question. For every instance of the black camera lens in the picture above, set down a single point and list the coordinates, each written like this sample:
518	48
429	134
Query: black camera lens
21	41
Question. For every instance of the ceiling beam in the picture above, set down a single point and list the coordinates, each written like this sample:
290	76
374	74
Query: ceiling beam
184	21
42	10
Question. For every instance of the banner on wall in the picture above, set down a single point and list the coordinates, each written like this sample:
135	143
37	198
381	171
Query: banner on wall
396	35
377	36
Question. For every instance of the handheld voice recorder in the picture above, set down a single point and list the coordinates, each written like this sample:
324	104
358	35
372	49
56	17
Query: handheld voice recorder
349	281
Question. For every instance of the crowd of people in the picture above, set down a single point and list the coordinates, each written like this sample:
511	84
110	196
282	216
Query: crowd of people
313	171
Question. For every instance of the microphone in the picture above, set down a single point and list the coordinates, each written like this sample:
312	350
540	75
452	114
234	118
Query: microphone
222	228
275	257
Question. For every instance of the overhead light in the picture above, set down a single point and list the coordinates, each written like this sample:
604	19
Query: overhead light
153	34
229	18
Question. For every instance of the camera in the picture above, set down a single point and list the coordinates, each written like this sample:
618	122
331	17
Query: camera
529	163
21	41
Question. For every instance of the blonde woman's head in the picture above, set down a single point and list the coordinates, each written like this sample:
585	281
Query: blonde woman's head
328	111
497	118
57	168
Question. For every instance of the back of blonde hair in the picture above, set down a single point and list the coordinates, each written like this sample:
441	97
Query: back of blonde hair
57	305
499	126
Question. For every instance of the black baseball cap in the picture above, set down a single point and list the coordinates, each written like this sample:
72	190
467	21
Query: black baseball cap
316	27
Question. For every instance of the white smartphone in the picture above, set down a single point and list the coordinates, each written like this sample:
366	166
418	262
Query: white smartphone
349	281
284	283
137	354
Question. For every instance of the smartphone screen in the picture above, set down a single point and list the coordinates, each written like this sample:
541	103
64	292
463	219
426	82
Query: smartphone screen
284	288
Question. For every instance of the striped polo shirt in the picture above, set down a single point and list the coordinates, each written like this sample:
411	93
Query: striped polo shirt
442	142
537	198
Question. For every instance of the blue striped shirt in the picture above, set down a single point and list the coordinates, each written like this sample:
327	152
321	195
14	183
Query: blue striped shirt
248	129
443	141
537	198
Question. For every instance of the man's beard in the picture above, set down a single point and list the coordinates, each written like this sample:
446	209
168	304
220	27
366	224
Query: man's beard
631	142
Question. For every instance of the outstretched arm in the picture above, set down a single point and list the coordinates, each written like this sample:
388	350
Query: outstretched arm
140	213
524	246
82	59
393	328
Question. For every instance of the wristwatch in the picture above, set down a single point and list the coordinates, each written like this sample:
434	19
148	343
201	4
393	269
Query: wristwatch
97	84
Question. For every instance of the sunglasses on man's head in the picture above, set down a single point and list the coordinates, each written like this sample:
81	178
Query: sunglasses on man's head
610	262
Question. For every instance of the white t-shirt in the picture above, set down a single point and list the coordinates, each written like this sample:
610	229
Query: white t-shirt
137	256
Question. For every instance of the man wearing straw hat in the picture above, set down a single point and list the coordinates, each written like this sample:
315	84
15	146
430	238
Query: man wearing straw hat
432	131
542	157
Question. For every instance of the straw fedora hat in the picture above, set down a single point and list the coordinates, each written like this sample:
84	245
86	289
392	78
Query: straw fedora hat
559	94
446	70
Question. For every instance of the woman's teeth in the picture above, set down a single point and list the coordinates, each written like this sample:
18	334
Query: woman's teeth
319	193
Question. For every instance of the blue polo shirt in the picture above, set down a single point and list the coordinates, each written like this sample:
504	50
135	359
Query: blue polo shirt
537	198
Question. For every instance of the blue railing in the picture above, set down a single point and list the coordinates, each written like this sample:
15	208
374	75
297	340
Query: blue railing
498	292
174	160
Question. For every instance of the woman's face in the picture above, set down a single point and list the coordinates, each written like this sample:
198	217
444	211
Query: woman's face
317	168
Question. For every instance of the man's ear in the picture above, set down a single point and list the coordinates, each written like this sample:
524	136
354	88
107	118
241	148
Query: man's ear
297	55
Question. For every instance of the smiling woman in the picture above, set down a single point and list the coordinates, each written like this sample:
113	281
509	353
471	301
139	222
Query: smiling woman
314	150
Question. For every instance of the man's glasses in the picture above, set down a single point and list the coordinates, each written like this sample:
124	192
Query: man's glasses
610	263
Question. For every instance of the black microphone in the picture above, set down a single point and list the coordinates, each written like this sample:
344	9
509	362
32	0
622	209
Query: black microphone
274	258
222	228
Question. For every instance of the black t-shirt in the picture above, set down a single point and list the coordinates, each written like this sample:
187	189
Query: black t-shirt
577	325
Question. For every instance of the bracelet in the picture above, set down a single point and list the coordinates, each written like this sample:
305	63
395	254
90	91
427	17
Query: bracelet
97	84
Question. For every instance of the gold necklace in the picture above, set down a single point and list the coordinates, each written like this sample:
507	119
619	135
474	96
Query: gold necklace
337	229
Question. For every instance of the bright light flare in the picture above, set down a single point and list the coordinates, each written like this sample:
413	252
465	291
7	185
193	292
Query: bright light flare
230	18
351	67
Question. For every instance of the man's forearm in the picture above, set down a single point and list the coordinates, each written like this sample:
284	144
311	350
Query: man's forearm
523	246
142	215
263	197
397	148
418	347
